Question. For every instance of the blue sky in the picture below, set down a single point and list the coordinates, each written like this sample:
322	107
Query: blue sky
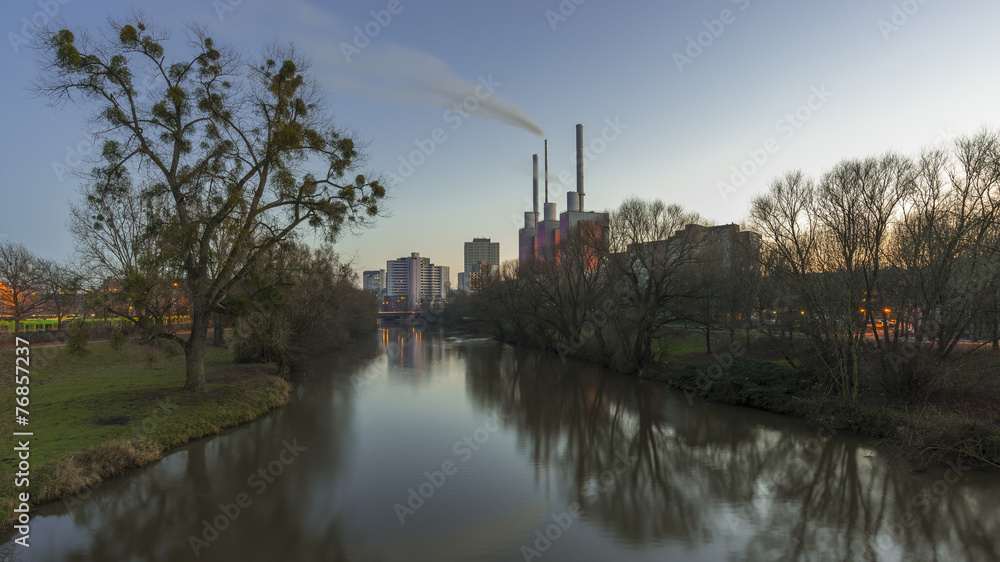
795	84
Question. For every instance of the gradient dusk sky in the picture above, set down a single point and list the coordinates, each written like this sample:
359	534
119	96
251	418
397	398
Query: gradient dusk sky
799	84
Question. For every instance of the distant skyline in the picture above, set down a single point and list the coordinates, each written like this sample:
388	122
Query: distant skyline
681	96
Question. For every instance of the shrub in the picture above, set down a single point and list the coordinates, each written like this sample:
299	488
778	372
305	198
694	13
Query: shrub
747	382
76	342
117	338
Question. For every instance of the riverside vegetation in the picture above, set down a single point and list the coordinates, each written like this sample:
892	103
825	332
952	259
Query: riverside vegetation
867	300
210	174
98	409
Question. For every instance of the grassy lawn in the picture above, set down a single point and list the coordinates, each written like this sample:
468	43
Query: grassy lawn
684	345
95	415
686	342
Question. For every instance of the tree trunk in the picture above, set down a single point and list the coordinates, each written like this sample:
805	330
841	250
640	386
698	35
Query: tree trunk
194	351
219	331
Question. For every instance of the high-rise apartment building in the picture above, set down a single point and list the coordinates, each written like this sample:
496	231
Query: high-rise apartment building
412	282
480	250
374	281
482	257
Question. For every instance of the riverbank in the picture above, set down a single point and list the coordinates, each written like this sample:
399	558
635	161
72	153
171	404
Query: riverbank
958	416
955	416
924	433
96	415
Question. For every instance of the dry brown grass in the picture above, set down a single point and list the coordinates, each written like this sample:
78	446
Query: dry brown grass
86	468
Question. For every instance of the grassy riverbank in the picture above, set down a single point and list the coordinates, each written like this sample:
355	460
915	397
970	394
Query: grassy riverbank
99	414
957	416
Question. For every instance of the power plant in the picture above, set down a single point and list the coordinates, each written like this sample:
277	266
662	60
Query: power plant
539	239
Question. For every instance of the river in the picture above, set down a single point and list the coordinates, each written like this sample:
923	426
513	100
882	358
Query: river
418	446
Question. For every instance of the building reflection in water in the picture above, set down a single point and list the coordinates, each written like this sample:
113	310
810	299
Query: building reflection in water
410	347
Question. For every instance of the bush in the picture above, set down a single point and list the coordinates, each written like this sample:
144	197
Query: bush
764	385
76	342
117	338
747	382
304	300
911	378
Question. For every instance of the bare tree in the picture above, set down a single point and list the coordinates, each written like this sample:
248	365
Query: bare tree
946	240
20	279
562	290
62	286
857	200
650	257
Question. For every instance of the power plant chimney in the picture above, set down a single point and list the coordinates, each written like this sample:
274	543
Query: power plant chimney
550	208
546	171
579	164
534	163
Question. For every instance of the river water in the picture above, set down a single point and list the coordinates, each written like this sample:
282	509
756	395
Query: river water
418	446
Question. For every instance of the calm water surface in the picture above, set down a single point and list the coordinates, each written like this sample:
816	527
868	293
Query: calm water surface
424	447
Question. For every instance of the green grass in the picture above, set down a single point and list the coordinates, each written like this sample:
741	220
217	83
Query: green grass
681	343
127	403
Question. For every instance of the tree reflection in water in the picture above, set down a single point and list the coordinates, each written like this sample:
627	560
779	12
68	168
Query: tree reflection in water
653	473
151	513
706	473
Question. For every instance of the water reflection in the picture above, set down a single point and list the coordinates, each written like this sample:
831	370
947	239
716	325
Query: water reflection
703	474
153	513
657	478
412	348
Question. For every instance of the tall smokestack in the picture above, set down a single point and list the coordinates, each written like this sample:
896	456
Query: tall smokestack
534	165
546	171
579	163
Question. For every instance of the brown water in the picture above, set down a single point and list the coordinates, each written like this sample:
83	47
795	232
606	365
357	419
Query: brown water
507	446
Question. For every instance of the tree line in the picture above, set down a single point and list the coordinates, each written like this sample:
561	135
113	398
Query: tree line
886	262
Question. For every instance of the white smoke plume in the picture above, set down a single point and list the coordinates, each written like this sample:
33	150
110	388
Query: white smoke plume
393	72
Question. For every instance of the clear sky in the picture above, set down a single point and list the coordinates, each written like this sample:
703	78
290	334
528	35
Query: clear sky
797	84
